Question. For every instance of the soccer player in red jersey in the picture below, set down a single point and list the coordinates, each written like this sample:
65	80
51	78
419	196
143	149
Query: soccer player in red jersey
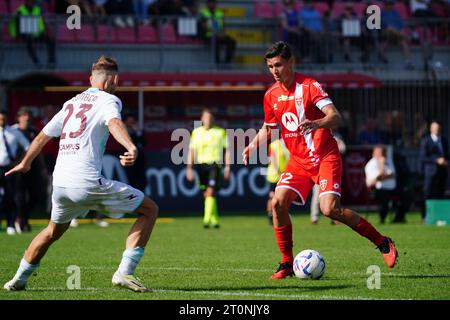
306	115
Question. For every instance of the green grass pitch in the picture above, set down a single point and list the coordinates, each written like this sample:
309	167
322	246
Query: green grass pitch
185	261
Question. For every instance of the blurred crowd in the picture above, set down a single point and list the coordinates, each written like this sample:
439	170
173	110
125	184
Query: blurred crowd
313	28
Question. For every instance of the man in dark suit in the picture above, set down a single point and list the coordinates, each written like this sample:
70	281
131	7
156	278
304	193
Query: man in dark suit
434	157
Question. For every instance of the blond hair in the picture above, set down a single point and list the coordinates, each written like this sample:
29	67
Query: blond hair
106	65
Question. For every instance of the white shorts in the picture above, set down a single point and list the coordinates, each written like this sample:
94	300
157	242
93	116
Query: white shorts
112	198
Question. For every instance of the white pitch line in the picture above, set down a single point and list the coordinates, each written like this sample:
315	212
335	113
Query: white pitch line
212	292
195	269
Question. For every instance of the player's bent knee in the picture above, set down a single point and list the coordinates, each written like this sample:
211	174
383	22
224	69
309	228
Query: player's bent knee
330	212
55	232
279	203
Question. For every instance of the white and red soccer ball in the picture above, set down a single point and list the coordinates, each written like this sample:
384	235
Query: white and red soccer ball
309	264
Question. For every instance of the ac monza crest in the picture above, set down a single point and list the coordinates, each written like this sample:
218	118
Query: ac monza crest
323	184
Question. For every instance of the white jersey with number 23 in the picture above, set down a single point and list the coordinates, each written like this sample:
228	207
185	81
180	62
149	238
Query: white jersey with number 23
82	125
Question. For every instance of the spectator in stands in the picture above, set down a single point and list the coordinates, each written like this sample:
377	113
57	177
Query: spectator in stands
331	33
434	156
421	8
392	26
140	10
292	33
85	6
311	23
10	140
98	9
380	179
405	186
123	11
212	30
368	39
370	134
347	40
394	131
30	186
191	6
33	31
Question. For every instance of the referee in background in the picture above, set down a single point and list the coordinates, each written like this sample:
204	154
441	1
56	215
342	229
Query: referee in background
208	148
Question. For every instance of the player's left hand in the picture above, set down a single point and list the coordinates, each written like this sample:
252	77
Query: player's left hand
18	168
306	126
127	159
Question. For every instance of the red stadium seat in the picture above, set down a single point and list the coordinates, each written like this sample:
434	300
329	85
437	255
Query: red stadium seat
4	7
359	8
14	4
322	7
125	35
338	9
147	34
278	8
263	9
168	34
104	33
48	7
63	34
86	33
402	9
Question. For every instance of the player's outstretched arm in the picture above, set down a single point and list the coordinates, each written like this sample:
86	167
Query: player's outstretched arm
332	120
120	133
262	137
33	151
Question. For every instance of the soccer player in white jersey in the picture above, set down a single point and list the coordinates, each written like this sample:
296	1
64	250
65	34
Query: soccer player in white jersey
83	125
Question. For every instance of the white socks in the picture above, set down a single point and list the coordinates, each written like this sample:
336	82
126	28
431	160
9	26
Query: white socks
130	260
25	270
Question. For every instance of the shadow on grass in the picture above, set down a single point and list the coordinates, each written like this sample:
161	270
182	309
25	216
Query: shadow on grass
422	276
253	288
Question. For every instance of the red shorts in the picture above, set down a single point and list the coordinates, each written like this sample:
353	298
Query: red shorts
328	175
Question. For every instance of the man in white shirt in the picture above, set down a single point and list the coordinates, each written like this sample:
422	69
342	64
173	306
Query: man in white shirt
380	177
10	141
83	125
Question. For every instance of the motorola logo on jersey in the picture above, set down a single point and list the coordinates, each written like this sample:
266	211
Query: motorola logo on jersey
290	121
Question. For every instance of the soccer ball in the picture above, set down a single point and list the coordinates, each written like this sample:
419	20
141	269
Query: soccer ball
309	264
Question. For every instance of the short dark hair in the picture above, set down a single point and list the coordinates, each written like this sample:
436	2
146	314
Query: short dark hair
279	48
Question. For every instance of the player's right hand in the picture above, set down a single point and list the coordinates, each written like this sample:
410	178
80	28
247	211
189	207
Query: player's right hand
246	153
128	158
19	168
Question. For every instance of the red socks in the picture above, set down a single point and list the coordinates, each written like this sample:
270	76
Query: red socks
283	236
365	229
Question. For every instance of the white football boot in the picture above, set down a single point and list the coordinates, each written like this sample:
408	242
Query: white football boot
15	285
129	282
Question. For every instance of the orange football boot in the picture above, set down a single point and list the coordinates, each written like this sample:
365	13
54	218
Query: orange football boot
390	254
284	270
